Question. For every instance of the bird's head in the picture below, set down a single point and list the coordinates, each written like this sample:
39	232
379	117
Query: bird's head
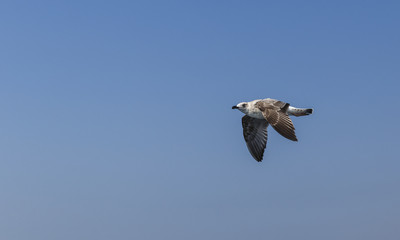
241	106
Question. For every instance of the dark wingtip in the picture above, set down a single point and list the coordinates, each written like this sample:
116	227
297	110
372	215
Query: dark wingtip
285	108
260	158
293	138
309	111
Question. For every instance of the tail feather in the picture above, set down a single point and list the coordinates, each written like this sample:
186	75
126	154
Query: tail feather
299	111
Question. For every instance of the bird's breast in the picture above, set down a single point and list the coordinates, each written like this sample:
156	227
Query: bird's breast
255	113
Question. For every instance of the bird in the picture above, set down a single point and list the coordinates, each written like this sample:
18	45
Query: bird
263	112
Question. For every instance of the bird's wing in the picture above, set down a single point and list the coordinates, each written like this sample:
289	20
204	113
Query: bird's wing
274	112
256	135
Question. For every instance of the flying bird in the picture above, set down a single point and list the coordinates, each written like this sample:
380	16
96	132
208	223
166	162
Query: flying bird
262	112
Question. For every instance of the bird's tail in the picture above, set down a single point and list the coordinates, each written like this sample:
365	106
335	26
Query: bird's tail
299	111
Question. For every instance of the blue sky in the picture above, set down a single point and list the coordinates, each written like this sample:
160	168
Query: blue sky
117	122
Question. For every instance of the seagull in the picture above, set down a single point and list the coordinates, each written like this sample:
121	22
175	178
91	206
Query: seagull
262	112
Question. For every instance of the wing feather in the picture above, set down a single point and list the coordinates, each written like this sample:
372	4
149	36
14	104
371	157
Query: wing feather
275	112
256	135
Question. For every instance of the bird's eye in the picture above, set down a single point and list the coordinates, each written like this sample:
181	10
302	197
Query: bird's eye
244	105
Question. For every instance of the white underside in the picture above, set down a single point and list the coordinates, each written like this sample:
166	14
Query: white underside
255	114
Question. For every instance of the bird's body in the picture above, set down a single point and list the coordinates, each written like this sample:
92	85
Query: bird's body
253	111
262	112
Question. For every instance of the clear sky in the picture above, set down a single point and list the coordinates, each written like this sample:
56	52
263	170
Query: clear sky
116	120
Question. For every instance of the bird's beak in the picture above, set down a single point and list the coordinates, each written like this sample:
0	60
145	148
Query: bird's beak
234	107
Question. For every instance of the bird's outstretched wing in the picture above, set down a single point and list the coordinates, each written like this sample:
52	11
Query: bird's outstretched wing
274	112
256	135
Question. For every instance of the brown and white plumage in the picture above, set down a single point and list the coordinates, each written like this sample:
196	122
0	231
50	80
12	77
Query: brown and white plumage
261	113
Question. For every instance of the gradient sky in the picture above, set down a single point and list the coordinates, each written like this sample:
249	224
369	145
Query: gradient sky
116	120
